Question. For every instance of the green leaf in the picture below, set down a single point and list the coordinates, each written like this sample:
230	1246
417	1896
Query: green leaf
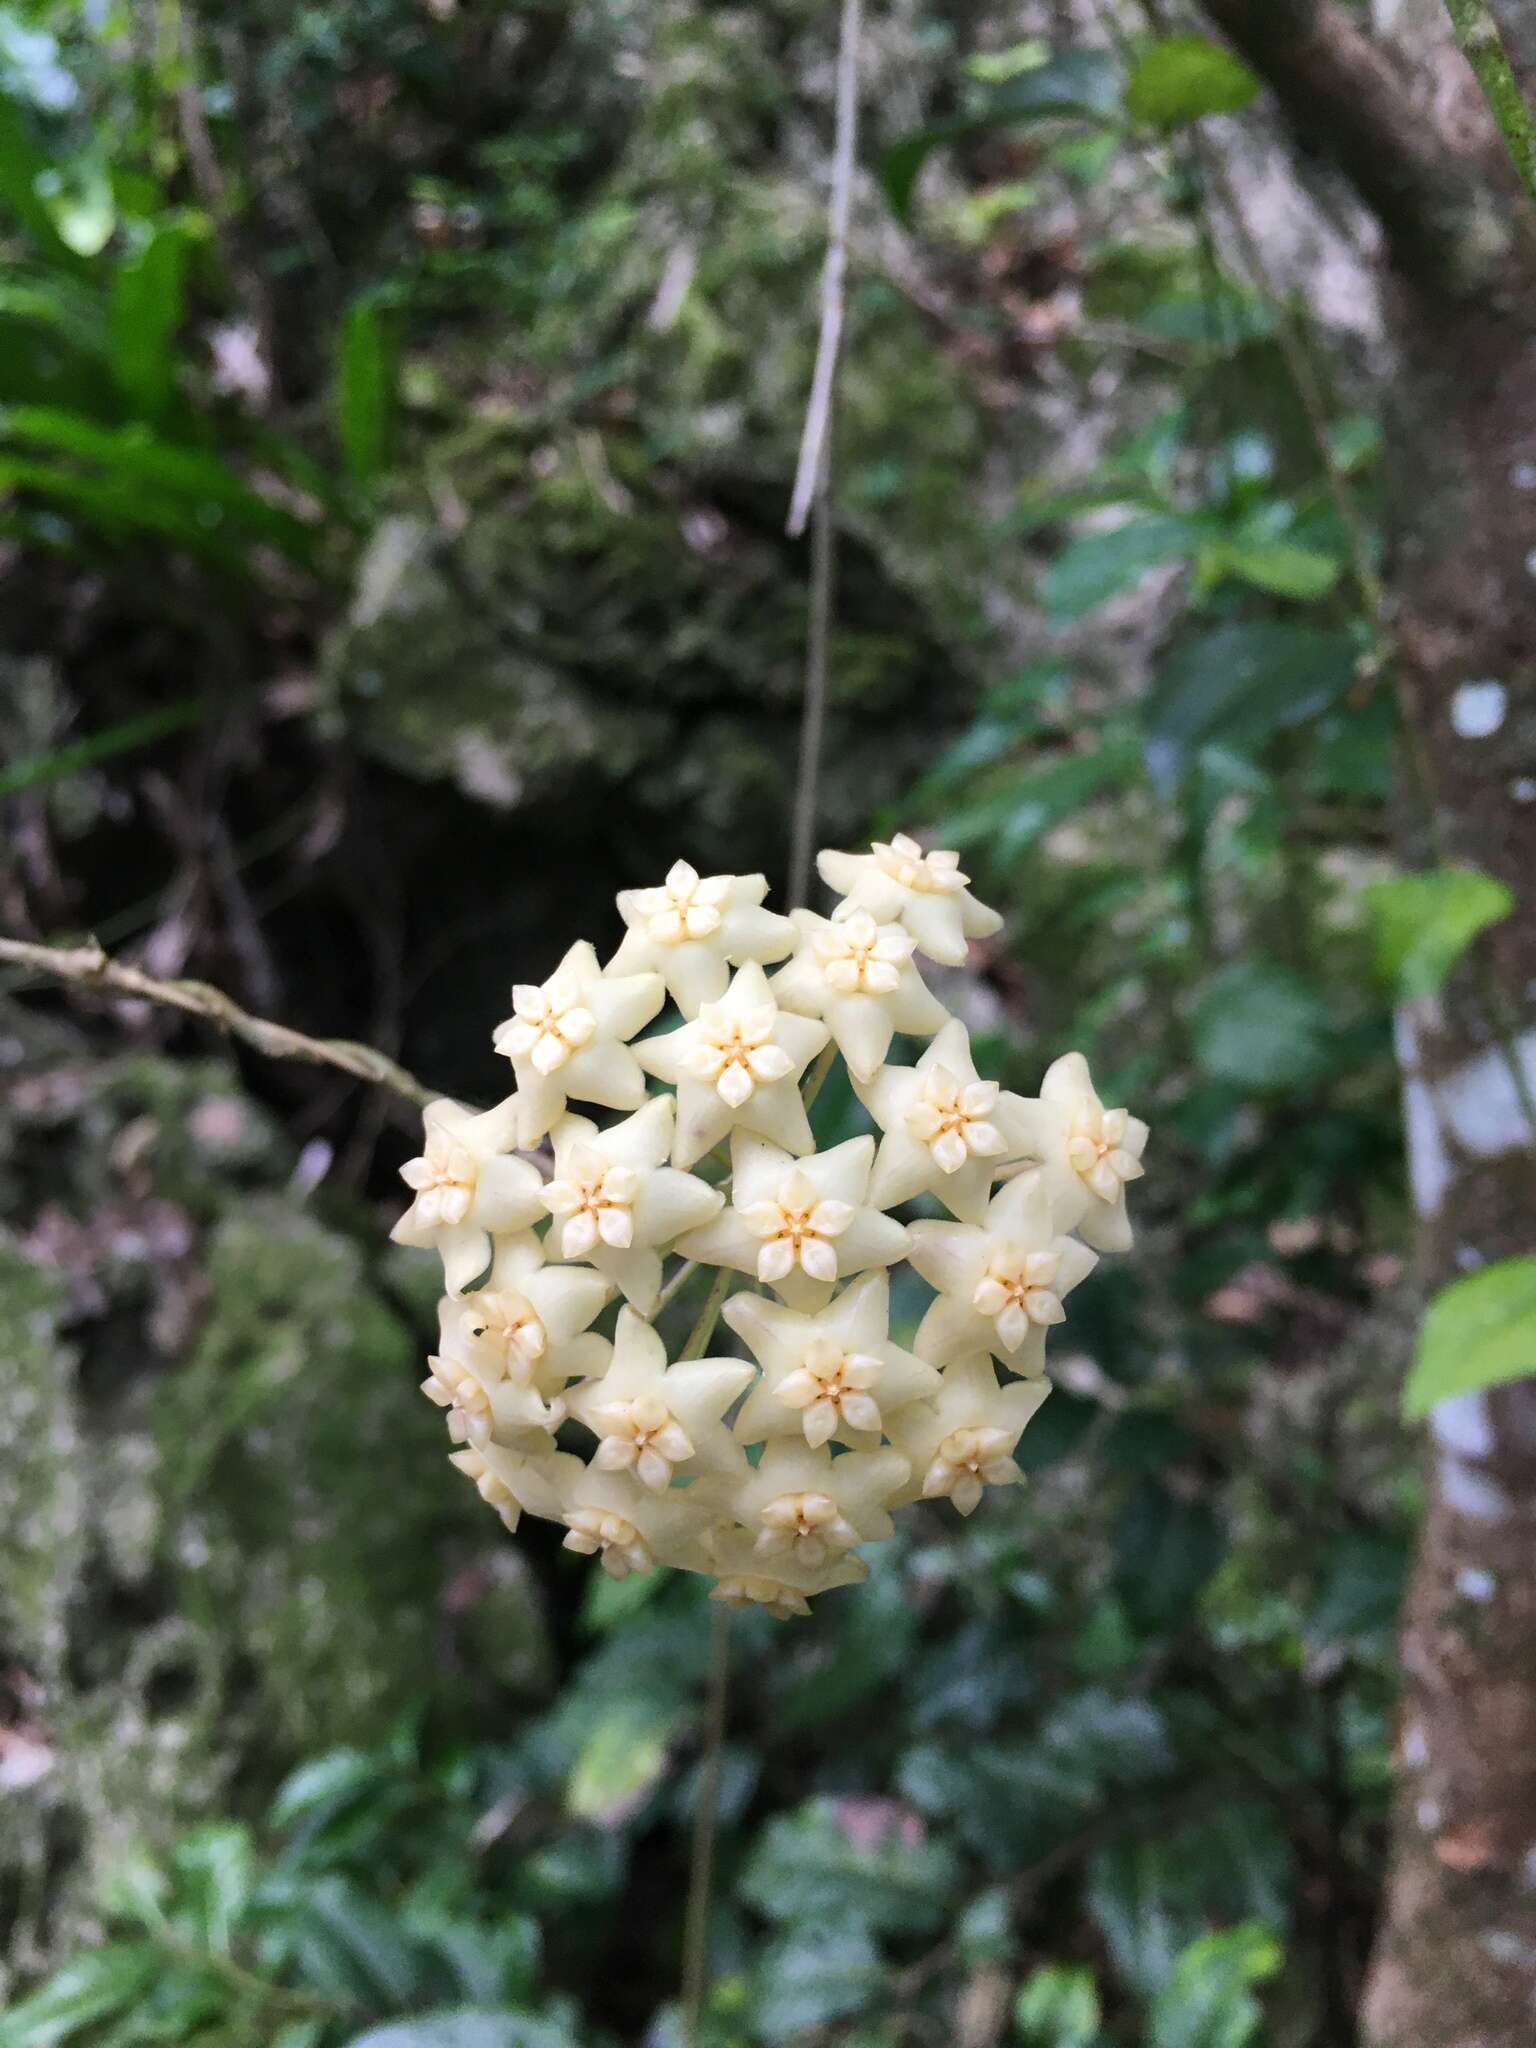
216	1869
23	171
1278	566
468	2028
1243	683
80	1994
1098	566
39	769
366	373
1010	820
811	1975
1078	85
147	307
1058	2008
1183	78
1479	1332
811	1866
1262	1028
1208	2003
620	1762
1166	1549
1425	923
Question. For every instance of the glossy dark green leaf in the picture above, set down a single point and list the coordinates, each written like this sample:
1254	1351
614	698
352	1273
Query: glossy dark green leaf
822	1862
82	1993
1098	566
812	1975
1077	85
468	2028
1243	683
1261	1027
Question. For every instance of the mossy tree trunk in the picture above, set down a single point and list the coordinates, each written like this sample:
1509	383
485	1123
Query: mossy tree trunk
1456	1958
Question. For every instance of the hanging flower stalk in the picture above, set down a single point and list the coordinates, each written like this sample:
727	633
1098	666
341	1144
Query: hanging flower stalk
769	1473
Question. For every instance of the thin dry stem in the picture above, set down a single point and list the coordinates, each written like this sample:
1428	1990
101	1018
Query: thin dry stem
90	967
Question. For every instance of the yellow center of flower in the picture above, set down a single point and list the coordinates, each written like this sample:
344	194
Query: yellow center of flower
1017	1289
931	874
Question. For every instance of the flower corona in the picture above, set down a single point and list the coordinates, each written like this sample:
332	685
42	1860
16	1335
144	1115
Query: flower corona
769	1474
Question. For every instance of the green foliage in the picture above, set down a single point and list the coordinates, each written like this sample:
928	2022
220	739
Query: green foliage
1058	2008
1479	1332
1183	78
1425	923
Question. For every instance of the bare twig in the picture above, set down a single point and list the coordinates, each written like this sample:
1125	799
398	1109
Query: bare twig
89	967
810	472
705	1827
1483	47
812	497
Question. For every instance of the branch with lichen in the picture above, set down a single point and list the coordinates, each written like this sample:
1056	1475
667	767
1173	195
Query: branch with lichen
1477	33
90	967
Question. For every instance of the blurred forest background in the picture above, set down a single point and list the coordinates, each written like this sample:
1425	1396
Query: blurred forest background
398	404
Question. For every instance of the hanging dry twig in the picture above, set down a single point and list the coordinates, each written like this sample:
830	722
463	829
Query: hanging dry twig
89	967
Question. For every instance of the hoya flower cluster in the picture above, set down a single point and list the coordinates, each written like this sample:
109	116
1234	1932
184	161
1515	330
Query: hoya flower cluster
767	1472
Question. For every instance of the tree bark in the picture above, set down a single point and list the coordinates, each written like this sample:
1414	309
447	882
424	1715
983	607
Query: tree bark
1455	1965
1456	1962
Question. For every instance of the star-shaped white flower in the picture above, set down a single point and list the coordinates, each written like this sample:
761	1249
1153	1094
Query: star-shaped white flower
830	1376
693	930
784	1584
737	1065
947	1131
610	1515
1001	1282
467	1184
963	1441
515	1483
798	1225
858	977
658	1421
1088	1153
616	1205
803	1503
923	892
569	1038
507	1350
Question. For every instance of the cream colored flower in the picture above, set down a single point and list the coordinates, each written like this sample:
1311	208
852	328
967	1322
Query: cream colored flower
784	1584
798	1225
610	1515
569	1038
506	1351
1001	1282
830	1376
661	1422
693	929
947	1131
802	1502
515	1484
858	977
737	1064
1088	1153
616	1205
963	1441
923	892
467	1184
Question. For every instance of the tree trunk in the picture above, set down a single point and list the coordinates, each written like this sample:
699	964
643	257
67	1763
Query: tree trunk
1456	1963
